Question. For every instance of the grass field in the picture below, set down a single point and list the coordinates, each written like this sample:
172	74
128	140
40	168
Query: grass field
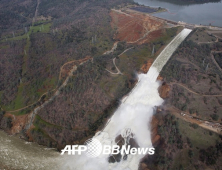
23	89
44	28
200	139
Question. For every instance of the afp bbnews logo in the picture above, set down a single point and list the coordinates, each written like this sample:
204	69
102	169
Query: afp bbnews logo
93	148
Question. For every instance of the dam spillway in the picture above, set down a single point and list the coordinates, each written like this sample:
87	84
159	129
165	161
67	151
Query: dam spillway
162	59
134	113
165	55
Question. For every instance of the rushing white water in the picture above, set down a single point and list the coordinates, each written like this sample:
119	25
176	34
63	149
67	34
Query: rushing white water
169	50
135	113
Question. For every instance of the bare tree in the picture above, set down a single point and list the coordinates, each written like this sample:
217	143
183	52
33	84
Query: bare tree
207	67
153	51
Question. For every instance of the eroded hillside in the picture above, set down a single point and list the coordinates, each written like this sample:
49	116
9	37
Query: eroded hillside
134	27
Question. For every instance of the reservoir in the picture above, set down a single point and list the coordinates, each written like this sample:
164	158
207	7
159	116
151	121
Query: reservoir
204	14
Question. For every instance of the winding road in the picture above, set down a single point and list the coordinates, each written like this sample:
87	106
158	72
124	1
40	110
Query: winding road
57	90
60	78
70	74
112	50
118	71
114	62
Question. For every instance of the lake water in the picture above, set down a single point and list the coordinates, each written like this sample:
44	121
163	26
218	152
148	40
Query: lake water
190	13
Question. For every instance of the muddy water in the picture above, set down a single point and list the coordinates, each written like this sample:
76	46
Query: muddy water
18	154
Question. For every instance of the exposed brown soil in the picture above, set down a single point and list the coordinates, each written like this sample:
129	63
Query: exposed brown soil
18	122
135	27
152	36
164	90
154	133
146	66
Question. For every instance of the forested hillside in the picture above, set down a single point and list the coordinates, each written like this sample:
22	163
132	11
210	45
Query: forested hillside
37	39
67	64
190	122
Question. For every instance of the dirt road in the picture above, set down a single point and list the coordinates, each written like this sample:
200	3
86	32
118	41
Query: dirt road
57	92
56	89
36	12
118	71
114	63
212	126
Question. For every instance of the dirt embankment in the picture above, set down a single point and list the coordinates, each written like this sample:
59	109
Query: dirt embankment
164	90
146	66
135	27
17	123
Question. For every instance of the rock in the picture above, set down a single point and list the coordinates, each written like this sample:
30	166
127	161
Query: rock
164	90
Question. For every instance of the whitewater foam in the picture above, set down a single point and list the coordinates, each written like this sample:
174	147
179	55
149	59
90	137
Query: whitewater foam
134	113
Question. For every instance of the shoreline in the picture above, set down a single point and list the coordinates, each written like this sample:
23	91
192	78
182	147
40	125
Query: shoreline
160	10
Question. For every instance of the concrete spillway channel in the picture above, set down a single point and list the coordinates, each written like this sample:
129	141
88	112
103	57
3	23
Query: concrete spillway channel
165	55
